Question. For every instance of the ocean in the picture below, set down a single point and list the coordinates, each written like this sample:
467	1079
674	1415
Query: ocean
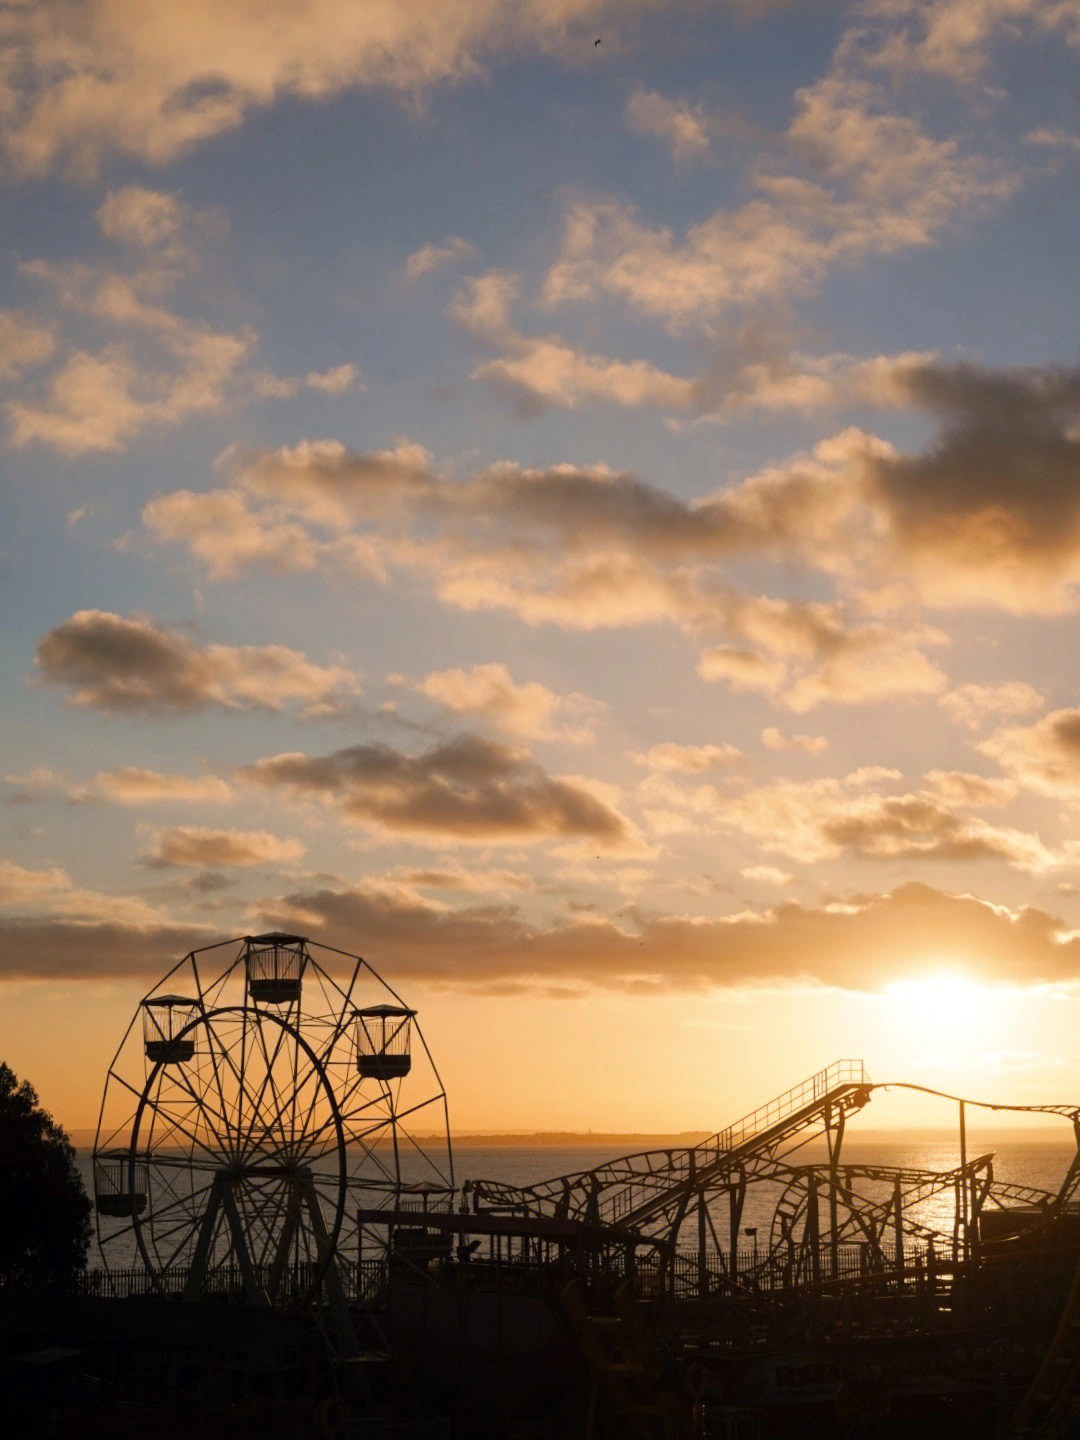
1018	1160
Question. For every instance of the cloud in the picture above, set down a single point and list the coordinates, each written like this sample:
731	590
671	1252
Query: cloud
100	401
150	220
964	791
469	789
334	381
861	944
1044	757
124	353
753	368
861	181
772	739
189	845
807	655
766	875
129	785
683	127
818	820
742	669
97	80
125	785
18	885
990	514
957	40
25	343
583	548
55	948
669	758
49	897
972	705
434	257
530	710
117	663
544	371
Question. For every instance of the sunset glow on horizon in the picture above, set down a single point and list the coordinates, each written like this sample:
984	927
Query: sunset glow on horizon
593	529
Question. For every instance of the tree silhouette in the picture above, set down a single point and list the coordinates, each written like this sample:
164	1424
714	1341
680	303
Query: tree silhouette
44	1210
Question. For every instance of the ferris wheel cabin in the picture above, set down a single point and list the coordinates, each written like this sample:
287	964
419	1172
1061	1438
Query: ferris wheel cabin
121	1186
274	966
383	1041
165	1019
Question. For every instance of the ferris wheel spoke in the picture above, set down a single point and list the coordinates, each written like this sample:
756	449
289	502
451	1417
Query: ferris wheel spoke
316	1080
161	1136
186	1221
237	1072
319	1147
175	1126
268	1125
112	1236
213	1119
190	1164
214	1044
415	1109
183	1218
424	1153
316	1135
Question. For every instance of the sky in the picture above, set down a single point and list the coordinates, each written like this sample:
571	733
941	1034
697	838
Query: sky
576	503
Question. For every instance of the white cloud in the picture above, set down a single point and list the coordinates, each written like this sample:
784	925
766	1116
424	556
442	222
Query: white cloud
434	257
334	381
25	343
103	78
683	127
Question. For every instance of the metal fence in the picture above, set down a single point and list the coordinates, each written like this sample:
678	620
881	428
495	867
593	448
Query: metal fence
361	1281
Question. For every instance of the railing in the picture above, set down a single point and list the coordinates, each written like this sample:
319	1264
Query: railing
839	1075
361	1281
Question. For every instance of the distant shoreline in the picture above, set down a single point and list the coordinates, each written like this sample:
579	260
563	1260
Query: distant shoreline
630	1142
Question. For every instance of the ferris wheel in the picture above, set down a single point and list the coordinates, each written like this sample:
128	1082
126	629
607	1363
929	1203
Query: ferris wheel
252	1112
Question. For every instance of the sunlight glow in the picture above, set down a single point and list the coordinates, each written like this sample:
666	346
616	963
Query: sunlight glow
947	1009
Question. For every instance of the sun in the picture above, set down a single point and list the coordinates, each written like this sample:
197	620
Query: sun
945	1007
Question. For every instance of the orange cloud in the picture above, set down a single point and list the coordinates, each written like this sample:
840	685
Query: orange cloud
187	845
862	944
1044	757
530	710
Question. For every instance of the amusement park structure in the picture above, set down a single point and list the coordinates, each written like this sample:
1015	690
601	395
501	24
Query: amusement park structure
274	1129
246	1114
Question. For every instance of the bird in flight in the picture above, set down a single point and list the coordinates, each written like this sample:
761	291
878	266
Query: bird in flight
595	43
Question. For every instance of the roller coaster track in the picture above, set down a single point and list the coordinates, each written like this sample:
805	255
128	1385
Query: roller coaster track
866	1217
652	1189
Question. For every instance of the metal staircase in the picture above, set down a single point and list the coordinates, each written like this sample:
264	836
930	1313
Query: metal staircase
654	1187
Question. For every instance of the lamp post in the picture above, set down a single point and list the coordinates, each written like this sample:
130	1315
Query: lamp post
751	1230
